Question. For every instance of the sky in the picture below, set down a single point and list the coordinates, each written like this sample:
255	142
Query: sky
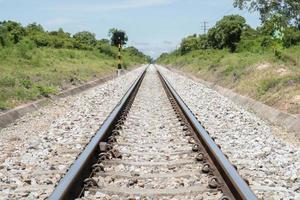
153	26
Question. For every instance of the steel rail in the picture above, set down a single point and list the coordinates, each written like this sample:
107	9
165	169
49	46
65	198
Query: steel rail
238	187
70	186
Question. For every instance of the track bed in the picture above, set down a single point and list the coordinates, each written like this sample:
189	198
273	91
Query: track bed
157	160
152	147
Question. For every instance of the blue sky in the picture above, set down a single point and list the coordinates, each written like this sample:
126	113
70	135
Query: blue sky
153	26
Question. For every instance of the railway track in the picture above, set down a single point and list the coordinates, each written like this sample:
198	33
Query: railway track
152	147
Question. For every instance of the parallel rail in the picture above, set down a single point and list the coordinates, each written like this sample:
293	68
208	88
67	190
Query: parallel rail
239	188
71	186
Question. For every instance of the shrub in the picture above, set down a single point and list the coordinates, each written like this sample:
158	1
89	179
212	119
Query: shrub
250	45
291	37
84	40
24	48
15	30
7	81
26	83
266	41
107	49
41	39
45	90
189	44
267	84
278	54
4	37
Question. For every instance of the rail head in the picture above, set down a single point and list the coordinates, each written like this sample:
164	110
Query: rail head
238	187
70	186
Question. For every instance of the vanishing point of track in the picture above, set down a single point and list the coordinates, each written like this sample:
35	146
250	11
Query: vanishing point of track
151	146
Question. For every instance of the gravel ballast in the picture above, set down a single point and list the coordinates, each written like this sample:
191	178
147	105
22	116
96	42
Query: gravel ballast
271	165
38	148
157	160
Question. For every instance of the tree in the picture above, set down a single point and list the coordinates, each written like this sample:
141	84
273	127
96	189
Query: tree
291	37
34	28
61	39
227	32
85	40
288	9
193	42
274	27
117	37
15	29
189	44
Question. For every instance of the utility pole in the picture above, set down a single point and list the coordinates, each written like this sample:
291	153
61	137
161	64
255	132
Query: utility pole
119	56
119	71
204	27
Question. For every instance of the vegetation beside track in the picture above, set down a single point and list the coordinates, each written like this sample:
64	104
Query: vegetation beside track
262	63
35	63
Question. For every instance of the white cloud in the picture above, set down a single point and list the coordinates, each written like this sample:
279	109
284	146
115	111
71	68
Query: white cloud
58	21
117	5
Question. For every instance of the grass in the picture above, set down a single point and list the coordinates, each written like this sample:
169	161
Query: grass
28	74
270	76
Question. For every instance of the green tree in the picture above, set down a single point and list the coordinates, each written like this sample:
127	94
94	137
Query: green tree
85	40
34	28
227	32
117	37
273	26
291	37
41	39
203	42
189	44
15	29
61	39
288	9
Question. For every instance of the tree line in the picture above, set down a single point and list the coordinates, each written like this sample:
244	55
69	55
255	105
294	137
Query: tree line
34	35
233	33
280	28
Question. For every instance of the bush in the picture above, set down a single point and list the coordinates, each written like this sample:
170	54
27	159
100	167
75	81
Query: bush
26	83
192	43
45	90
41	39
84	40
266	85
15	30
7	81
24	48
107	49
291	37
250	45
266	42
278	54
4	37
189	44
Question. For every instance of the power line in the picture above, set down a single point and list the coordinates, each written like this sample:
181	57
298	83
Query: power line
204	27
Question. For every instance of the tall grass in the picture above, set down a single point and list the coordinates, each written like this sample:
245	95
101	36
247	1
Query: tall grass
28	73
241	71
